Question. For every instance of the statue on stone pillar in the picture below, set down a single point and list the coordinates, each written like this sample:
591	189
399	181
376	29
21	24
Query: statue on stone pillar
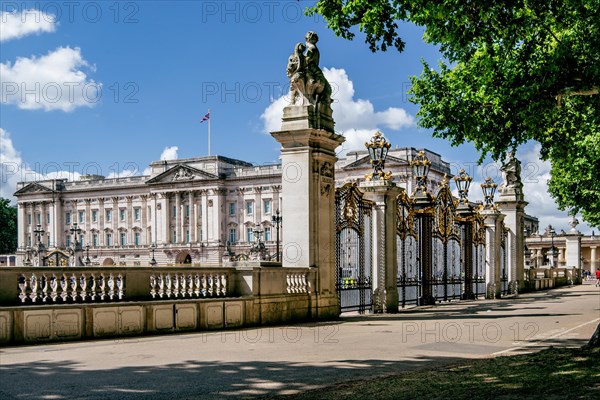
307	81
511	175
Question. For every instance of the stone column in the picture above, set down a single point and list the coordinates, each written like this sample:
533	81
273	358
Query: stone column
385	252
593	262
178	219
308	189
164	222
192	218
21	224
204	215
493	242
512	206
573	254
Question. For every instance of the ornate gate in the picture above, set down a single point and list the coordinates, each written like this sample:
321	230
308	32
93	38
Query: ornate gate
478	246
446	266
409	267
504	261
353	249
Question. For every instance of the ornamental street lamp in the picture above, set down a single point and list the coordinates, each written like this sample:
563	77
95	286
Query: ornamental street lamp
39	232
87	255
152	248
76	231
463	182
420	168
489	189
378	148
277	222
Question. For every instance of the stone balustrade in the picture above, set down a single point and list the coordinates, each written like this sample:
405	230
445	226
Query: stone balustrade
297	283
50	285
547	278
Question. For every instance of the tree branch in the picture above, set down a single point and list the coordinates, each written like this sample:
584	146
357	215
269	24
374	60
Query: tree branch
568	93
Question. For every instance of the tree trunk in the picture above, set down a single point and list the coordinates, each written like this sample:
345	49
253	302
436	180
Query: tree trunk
595	340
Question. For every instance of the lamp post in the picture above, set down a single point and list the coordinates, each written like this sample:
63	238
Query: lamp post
87	255
420	168
276	219
378	148
463	182
489	189
552	232
466	221
152	248
75	230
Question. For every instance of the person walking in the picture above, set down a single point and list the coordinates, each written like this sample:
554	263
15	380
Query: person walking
598	277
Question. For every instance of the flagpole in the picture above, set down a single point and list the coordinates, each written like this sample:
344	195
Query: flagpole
209	131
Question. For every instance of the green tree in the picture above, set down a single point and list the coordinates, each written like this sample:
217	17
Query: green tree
8	227
513	71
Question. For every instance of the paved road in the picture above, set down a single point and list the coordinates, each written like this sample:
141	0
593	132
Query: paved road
287	359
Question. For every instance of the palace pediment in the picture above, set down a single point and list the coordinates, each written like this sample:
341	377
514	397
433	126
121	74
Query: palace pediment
181	173
33	187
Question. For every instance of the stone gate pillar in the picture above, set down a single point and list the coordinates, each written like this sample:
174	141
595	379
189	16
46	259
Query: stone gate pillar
493	242
512	204
308	206
573	244
385	252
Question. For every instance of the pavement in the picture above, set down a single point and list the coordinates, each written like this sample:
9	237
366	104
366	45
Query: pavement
281	360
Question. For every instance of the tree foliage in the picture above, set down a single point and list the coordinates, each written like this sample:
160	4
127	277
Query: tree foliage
8	227
513	71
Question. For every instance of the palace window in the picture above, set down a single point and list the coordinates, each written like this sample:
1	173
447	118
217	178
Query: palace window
249	208
187	235
267	206
136	214
94	216
47	218
268	234
187	211
231	208
81	216
95	240
250	234
138	240
123	237
109	239
39	218
174	236
122	214
68	240
174	211
67	218
108	215
82	241
232	235
29	240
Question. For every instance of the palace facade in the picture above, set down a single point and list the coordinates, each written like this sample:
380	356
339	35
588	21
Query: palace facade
185	212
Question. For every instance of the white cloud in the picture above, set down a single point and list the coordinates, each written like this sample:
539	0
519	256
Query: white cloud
169	153
535	174
356	119
54	81
14	25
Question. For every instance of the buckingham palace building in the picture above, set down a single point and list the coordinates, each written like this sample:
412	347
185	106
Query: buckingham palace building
186	212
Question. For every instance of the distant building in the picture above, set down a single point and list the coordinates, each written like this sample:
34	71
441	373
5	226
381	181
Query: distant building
187	209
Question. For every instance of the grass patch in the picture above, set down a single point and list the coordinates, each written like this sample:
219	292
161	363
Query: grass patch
549	374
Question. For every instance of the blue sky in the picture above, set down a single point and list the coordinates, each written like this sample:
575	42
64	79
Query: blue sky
161	65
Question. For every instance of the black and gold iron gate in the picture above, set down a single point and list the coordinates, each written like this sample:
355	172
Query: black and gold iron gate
353	249
409	277
446	277
504	260
478	246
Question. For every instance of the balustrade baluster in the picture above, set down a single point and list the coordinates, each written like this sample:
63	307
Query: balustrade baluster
92	287
120	286
168	285
22	288
175	285
152	286
64	285
73	285
197	285
182	287
83	287
217	283
44	288
161	286
102	286
190	285
224	284
111	286
204	285
33	285
53	287
288	278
